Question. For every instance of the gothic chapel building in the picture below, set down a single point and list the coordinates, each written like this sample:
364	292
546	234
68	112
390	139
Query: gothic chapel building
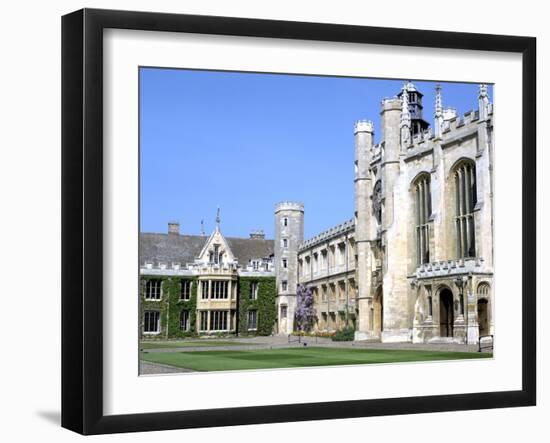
413	264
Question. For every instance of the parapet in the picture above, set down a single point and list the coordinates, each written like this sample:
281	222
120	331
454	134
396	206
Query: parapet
347	226
289	206
390	104
363	126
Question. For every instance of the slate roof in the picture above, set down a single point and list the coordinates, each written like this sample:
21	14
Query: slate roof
183	249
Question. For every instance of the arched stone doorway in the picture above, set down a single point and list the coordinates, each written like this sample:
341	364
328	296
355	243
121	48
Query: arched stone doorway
378	314
482	316
283	314
446	313
483	308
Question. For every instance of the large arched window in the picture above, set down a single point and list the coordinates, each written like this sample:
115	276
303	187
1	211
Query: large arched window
423	207
465	201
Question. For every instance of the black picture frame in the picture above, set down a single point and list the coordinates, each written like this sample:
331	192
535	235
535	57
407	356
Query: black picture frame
82	215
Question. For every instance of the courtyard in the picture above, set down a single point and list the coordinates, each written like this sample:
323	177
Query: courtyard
159	357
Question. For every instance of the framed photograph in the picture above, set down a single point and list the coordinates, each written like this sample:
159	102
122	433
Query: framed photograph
268	221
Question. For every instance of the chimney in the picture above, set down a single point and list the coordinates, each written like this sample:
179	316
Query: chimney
174	227
258	234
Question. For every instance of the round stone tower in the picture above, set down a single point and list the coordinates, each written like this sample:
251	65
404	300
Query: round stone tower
289	234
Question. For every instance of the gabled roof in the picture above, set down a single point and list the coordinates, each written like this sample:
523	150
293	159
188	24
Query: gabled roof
183	249
216	238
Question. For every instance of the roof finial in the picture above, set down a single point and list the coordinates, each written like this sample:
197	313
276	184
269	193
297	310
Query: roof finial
202	228
438	100
218	217
483	100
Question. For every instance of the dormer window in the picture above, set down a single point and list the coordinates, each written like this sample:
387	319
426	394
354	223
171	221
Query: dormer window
215	256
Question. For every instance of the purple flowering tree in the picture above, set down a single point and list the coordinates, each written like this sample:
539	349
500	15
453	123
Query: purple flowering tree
305	312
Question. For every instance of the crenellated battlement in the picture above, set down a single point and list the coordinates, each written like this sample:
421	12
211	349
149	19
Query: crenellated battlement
363	126
457	126
335	231
390	104
289	206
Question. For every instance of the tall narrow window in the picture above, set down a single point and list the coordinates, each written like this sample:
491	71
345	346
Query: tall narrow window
216	254
252	320
465	199
285	263
185	290
204	320
204	289
284	285
184	320
253	290
153	289
423	203
151	322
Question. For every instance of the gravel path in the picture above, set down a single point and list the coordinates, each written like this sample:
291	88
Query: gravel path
278	342
148	368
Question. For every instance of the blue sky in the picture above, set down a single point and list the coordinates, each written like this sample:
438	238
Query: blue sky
245	141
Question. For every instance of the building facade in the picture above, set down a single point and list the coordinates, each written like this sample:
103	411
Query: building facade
414	263
197	285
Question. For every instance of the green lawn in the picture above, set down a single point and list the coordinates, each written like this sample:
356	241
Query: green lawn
186	344
296	357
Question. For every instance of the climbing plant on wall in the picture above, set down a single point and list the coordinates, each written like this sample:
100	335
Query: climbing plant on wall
170	306
264	304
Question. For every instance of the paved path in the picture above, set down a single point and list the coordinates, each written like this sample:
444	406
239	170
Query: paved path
148	368
278	342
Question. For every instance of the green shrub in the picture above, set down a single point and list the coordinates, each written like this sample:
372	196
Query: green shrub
346	334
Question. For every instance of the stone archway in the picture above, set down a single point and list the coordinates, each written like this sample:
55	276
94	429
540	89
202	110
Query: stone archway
378	313
483	316
446	313
484	308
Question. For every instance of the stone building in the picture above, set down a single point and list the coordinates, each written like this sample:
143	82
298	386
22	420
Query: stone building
415	263
198	285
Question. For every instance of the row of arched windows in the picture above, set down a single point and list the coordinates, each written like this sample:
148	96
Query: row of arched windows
465	195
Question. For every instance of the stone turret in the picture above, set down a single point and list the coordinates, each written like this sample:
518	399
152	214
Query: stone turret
364	134
391	137
173	228
289	234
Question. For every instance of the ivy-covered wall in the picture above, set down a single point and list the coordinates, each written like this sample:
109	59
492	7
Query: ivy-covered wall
170	306
264	304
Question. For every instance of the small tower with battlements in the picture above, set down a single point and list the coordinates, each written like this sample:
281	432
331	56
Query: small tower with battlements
364	135
413	99
289	234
